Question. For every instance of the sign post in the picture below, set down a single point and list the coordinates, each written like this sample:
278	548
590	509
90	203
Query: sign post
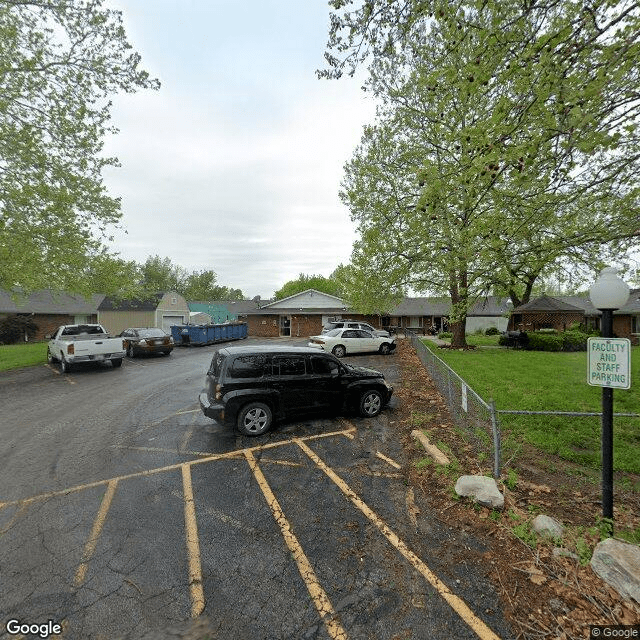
609	367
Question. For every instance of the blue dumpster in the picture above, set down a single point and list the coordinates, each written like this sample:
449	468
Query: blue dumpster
189	334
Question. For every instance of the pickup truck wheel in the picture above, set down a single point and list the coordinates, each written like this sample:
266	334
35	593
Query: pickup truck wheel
50	358
339	351
130	351
254	419
370	403
117	362
385	349
64	365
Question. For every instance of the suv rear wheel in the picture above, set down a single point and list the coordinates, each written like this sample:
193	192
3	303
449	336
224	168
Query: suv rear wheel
370	403
254	419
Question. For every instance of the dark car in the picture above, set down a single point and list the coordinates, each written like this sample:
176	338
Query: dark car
139	340
250	387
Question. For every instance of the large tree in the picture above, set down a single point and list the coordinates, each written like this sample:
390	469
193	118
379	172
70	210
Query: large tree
59	63
505	145
160	274
304	281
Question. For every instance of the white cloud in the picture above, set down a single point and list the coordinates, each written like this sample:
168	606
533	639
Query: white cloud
238	172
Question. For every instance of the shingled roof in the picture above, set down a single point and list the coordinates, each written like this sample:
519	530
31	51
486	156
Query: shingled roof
47	301
548	305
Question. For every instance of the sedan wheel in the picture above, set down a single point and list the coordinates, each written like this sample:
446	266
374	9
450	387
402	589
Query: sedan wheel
254	419
339	351
385	349
370	403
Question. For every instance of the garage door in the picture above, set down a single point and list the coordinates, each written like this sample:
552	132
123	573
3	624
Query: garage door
167	321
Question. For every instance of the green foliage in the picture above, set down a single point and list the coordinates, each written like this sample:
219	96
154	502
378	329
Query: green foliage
584	551
443	335
512	479
14	328
60	64
492	331
523	532
160	274
544	342
505	147
574	341
328	285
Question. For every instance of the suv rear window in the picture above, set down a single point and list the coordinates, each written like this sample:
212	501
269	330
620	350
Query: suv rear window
248	367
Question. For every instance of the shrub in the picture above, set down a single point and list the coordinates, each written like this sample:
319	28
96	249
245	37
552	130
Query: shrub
443	335
492	331
574	341
14	328
544	342
503	340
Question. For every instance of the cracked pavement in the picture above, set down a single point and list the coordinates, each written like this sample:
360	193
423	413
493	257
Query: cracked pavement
138	434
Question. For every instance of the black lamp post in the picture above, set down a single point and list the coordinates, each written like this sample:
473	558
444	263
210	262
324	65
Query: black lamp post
608	293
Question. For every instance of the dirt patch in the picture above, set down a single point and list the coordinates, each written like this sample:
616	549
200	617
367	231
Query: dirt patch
544	595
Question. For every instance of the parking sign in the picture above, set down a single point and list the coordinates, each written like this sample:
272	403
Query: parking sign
609	362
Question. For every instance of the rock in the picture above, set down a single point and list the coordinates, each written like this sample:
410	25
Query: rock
547	526
618	564
482	489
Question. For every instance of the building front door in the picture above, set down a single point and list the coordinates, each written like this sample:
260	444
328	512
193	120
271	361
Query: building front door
285	326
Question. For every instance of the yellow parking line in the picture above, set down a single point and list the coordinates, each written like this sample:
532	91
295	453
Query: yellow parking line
388	460
454	601
193	545
90	547
170	467
317	593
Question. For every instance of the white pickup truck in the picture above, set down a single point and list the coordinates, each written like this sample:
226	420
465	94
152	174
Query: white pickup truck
75	343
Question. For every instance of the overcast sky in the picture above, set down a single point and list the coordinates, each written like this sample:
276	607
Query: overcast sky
235	163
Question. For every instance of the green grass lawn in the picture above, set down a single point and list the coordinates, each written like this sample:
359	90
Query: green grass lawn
547	381
481	341
14	356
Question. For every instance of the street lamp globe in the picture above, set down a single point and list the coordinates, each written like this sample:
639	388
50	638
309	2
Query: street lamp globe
609	291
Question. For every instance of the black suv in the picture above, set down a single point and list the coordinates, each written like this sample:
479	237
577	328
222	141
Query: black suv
249	387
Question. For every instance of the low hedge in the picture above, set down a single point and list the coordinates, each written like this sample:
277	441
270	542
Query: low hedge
564	341
544	342
552	341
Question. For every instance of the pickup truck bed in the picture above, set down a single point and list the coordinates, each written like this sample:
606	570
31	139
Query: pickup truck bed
75	344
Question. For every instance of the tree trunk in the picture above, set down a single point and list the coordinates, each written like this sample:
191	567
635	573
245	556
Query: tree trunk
459	339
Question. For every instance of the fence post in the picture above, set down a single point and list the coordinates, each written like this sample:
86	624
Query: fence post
497	449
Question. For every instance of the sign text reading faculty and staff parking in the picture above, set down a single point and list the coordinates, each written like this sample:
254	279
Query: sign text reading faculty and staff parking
609	362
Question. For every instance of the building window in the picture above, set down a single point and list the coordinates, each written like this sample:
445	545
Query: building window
635	324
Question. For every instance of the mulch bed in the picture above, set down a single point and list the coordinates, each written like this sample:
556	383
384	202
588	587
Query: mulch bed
543	596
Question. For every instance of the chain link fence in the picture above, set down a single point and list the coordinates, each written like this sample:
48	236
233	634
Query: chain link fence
474	416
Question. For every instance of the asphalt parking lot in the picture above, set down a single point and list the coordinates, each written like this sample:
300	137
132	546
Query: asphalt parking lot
124	511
